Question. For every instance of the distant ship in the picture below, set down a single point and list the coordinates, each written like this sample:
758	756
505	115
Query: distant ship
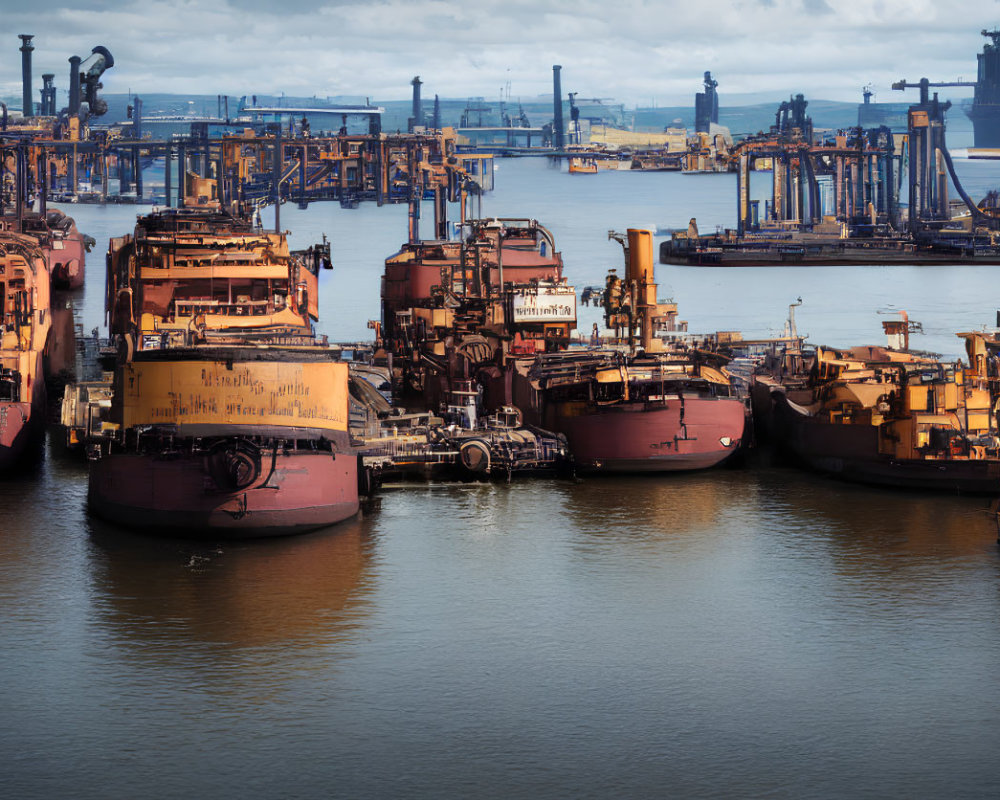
874	115
985	109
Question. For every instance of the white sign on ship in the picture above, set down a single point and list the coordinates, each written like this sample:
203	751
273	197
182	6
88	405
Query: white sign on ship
546	304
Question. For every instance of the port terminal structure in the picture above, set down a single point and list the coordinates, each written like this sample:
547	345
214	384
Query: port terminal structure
865	167
262	155
840	199
252	168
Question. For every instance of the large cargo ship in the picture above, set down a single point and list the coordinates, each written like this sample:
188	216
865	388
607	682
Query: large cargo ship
229	415
888	416
648	406
25	322
985	109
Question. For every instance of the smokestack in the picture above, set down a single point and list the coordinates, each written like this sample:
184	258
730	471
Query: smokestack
418	114
557	120
48	95
74	85
26	48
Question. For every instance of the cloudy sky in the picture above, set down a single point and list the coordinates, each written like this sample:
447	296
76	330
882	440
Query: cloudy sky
637	51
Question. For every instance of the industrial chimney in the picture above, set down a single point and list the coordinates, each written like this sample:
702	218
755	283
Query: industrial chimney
48	108
26	48
418	113
74	85
557	119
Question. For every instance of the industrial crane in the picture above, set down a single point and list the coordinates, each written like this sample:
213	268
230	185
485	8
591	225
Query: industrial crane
924	85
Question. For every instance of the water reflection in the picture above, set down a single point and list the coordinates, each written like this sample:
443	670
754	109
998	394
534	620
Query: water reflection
877	523
295	592
843	537
656	506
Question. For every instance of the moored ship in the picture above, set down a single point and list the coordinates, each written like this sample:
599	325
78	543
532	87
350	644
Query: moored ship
646	407
582	165
888	416
660	413
229	415
25	322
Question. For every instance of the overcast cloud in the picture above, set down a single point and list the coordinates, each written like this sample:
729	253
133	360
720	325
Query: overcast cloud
636	51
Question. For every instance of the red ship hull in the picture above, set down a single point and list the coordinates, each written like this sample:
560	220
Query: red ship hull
303	492
64	247
67	254
634	437
67	265
20	424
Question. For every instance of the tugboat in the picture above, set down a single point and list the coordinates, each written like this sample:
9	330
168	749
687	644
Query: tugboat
229	414
650	408
582	165
889	416
25	323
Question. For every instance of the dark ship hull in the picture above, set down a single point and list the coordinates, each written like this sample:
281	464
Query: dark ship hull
20	426
851	453
985	125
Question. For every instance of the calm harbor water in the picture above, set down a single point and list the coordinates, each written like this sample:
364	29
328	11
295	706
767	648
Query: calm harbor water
753	632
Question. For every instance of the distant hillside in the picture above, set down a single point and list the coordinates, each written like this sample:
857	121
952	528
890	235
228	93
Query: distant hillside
741	120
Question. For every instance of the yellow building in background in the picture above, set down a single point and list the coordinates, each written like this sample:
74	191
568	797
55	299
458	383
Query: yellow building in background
673	139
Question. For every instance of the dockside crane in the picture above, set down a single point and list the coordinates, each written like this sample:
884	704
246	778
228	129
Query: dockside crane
924	86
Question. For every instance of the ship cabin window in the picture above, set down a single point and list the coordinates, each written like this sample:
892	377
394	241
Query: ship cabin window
235	298
613	392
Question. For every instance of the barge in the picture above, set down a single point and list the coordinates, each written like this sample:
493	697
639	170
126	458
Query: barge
888	416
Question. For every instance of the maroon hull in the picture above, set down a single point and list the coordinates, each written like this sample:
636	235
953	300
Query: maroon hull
64	247
65	250
305	491
633	437
19	425
67	265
